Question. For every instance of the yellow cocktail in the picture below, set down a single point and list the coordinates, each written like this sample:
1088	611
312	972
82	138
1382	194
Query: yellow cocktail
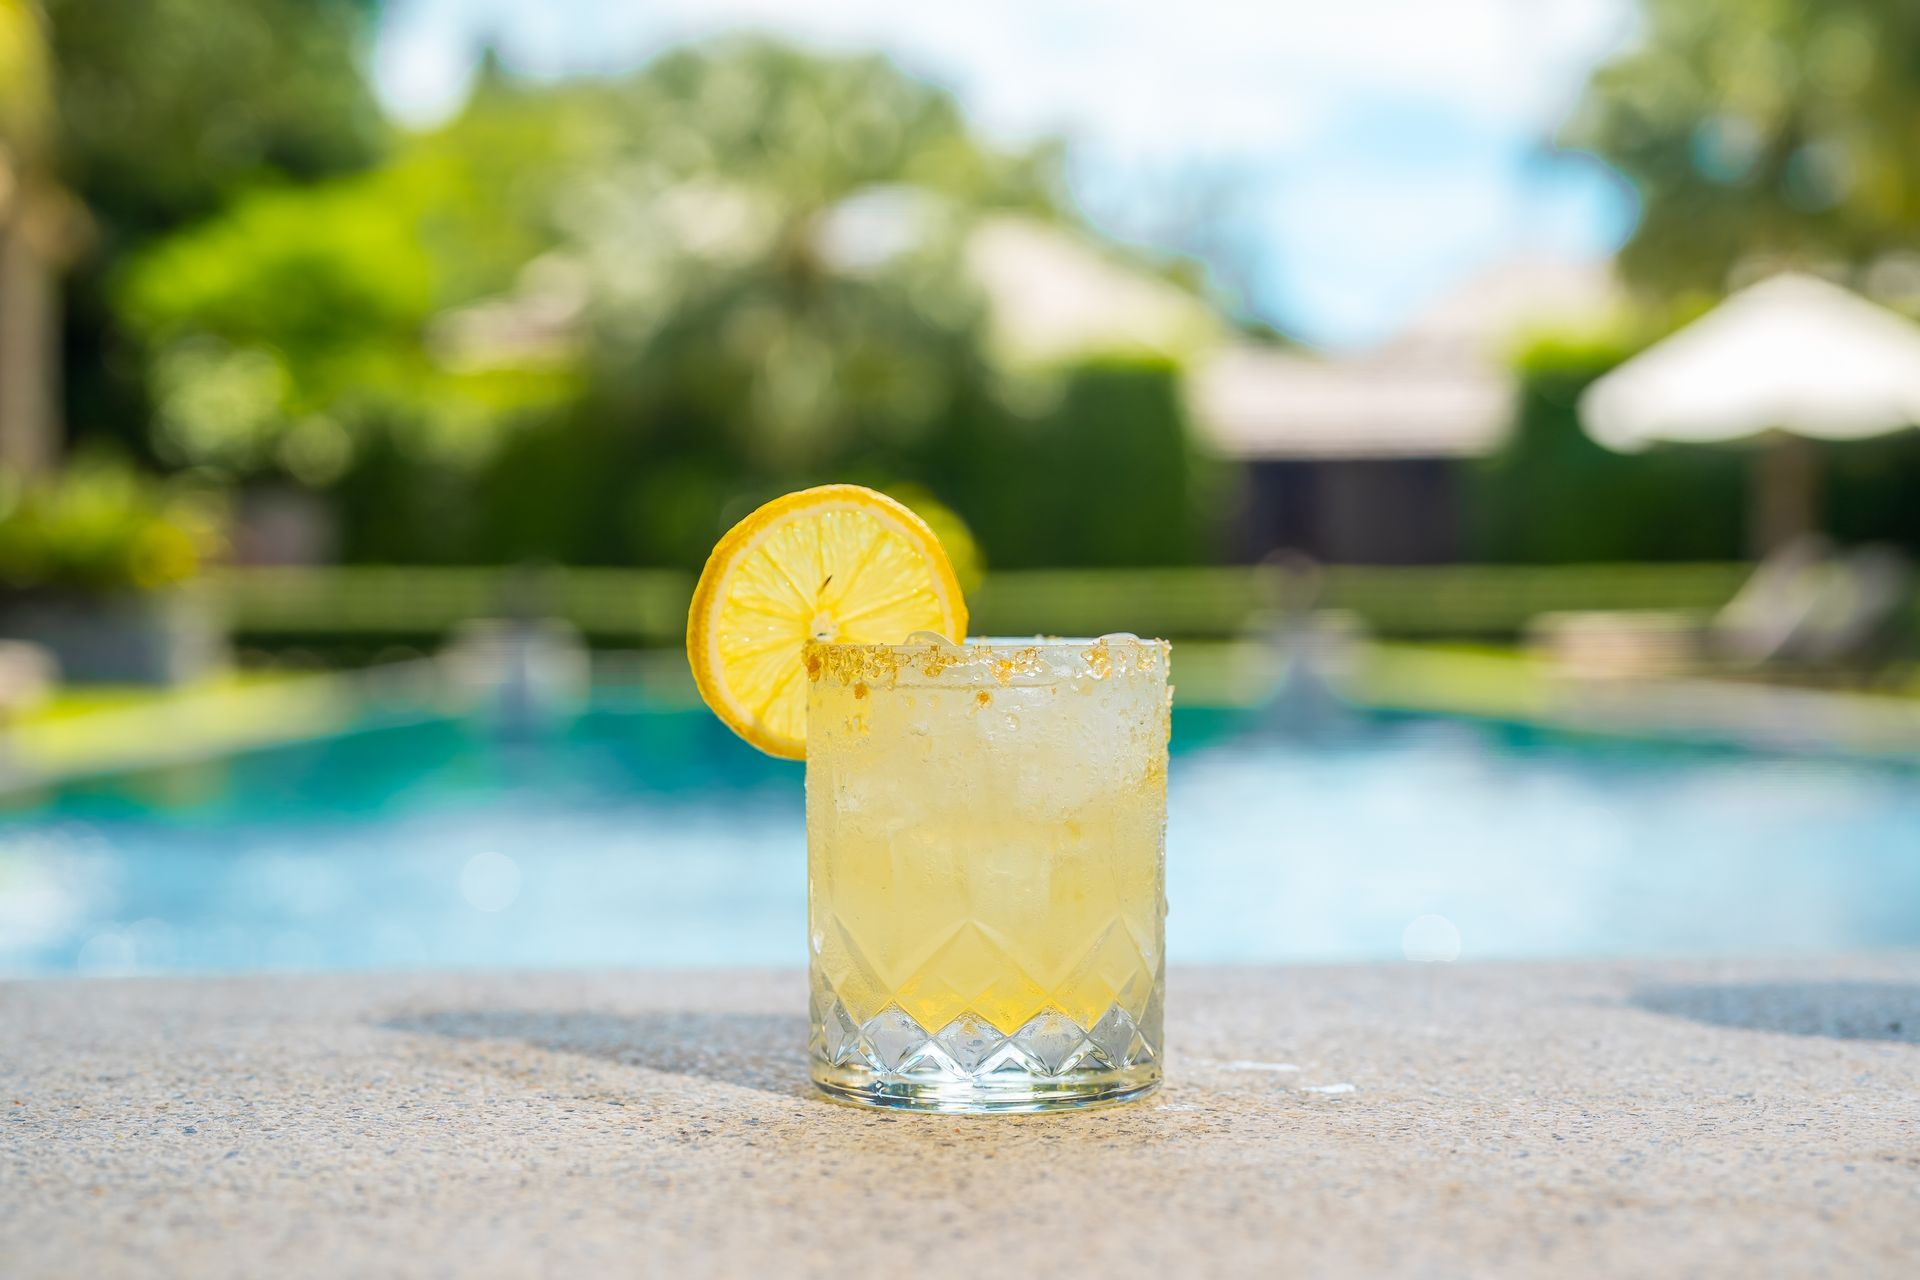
986	822
986	833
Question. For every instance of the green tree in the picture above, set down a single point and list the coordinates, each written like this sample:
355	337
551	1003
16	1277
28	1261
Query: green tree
808	213
595	321
1771	132
286	332
666	230
168	110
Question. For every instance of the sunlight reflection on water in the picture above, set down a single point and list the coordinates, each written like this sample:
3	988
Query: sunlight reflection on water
641	839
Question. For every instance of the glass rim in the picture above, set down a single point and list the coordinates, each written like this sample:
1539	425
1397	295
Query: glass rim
1113	639
1005	660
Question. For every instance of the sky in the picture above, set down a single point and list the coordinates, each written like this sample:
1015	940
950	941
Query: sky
1354	161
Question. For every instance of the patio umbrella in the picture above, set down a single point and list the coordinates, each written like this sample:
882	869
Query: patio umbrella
1790	360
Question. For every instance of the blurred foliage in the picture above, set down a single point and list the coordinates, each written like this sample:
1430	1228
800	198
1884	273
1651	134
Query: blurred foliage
26	88
1554	496
101	526
362	608
610	229
283	331
1766	133
1101	476
1868	491
168	110
597	321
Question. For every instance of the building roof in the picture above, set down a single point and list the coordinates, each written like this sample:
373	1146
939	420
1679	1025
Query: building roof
1055	295
1271	405
1442	388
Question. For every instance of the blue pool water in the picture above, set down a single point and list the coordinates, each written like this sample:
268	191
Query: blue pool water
636	836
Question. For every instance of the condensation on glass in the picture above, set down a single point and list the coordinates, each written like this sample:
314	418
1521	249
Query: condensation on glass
986	846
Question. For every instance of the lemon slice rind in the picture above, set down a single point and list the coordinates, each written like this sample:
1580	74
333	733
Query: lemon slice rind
834	562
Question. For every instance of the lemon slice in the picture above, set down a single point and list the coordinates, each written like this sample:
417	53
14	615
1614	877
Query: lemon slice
834	563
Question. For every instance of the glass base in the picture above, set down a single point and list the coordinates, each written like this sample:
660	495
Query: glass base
969	1097
968	1066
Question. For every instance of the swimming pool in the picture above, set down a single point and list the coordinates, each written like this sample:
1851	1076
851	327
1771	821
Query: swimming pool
634	835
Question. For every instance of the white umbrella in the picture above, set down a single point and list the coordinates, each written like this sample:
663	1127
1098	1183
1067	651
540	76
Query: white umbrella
1793	356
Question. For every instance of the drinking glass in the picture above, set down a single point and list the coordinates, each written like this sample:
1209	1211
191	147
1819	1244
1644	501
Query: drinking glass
986	837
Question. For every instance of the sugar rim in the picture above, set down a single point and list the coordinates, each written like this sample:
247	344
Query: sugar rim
1003	660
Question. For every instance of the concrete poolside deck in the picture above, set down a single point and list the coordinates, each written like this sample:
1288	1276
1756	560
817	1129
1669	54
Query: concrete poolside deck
1644	1119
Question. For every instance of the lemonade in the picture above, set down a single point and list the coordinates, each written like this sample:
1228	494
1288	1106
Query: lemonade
985	835
985	821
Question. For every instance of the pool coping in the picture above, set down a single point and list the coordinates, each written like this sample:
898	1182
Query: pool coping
1585	1119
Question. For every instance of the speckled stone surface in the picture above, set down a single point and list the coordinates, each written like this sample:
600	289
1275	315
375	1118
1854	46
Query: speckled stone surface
1566	1120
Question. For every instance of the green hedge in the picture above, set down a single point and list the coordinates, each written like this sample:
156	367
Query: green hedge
648	607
